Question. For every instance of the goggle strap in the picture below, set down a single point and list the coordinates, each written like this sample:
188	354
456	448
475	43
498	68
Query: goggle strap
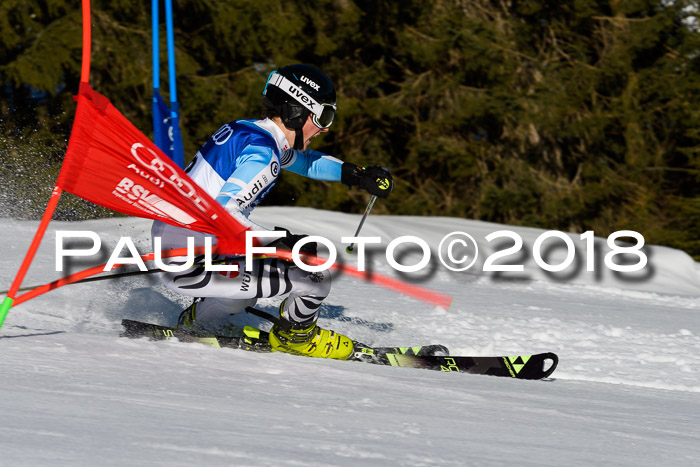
296	92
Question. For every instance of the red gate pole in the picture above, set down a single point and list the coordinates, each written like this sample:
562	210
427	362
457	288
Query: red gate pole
48	213
57	190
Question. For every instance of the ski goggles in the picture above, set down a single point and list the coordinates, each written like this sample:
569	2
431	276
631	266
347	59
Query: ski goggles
321	114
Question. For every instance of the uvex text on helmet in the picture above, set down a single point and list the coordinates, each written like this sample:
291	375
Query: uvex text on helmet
297	91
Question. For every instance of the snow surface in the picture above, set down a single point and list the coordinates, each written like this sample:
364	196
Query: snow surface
74	393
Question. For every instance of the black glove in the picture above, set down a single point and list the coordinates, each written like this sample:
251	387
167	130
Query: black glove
374	180
288	242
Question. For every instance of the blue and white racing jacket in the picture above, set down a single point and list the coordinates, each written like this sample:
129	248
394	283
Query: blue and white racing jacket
241	162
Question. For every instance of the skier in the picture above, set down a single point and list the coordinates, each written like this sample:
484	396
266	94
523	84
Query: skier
238	166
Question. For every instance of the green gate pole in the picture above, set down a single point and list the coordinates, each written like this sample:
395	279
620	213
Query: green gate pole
4	308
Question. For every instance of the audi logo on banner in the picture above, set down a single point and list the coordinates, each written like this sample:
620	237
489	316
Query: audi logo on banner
151	162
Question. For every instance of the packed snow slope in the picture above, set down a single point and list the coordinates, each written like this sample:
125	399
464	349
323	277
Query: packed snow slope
626	392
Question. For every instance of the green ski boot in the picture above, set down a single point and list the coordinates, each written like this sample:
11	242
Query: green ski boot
309	340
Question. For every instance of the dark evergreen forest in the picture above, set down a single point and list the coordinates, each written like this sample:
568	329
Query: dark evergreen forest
570	115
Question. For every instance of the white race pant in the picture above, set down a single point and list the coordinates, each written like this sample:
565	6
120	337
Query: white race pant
237	289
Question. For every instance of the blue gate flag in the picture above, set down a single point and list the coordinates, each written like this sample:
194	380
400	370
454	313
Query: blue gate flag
166	120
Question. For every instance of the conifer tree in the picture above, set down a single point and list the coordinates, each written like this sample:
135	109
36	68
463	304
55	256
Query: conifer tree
572	115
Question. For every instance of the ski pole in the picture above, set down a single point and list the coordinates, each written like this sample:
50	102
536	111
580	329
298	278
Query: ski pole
118	275
351	247
94	279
